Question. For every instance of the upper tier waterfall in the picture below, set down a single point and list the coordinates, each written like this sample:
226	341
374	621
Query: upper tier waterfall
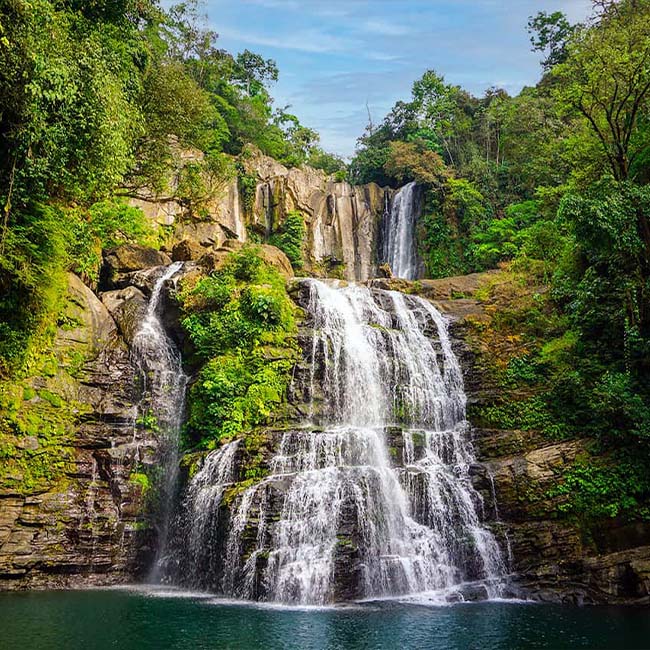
398	233
372	496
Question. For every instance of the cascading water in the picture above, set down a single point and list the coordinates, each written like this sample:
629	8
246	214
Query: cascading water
399	249
162	406
372	497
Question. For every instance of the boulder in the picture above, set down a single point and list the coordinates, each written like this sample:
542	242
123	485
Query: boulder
275	257
94	328
213	260
131	257
203	233
126	259
128	307
187	250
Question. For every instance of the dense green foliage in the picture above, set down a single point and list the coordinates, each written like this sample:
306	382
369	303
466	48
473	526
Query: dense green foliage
105	99
240	321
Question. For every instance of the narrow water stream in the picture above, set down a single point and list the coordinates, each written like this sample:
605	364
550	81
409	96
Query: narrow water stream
163	403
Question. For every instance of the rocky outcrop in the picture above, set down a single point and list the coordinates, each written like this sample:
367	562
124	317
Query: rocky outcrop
186	250
342	220
269	254
123	260
556	559
71	511
127	306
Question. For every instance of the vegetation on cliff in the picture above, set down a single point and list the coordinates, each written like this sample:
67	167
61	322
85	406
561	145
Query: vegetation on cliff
98	100
240	321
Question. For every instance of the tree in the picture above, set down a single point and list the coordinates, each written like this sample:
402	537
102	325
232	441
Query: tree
436	107
254	72
610	298
606	79
550	33
413	161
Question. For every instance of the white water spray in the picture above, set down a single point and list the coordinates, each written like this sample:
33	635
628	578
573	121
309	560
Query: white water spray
380	498
164	382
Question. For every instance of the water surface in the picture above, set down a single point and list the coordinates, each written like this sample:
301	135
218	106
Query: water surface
141	619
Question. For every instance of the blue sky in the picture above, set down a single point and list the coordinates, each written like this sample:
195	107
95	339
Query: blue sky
335	56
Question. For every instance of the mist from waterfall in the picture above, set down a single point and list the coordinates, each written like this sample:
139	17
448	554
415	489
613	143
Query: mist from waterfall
399	247
374	491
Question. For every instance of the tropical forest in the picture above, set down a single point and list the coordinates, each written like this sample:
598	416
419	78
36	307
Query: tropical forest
266	384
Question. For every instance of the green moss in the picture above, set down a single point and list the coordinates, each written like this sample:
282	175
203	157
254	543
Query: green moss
247	184
149	421
142	480
233	492
37	426
344	542
28	393
530	414
54	399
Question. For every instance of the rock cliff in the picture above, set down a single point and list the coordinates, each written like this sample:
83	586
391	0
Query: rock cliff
342	220
554	558
72	510
76	508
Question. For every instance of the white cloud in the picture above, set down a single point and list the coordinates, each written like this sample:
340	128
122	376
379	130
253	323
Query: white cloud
307	40
381	56
384	28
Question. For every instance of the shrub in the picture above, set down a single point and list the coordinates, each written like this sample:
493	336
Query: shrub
241	324
290	238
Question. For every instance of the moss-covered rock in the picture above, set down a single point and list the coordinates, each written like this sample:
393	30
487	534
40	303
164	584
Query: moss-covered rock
72	513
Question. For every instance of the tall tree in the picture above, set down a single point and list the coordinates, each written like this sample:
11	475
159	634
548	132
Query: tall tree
606	79
550	33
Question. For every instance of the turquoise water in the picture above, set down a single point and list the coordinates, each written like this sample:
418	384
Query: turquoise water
132	620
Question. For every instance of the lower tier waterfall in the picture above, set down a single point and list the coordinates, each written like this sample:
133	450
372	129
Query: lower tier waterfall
371	496
398	233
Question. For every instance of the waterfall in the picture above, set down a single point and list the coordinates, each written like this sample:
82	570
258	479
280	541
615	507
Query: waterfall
399	248
162	406
372	497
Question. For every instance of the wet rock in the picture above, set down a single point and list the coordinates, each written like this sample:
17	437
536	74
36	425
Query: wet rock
90	525
119	262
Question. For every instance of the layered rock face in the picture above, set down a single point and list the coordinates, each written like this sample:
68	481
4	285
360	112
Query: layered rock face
74	507
343	221
71	512
85	444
